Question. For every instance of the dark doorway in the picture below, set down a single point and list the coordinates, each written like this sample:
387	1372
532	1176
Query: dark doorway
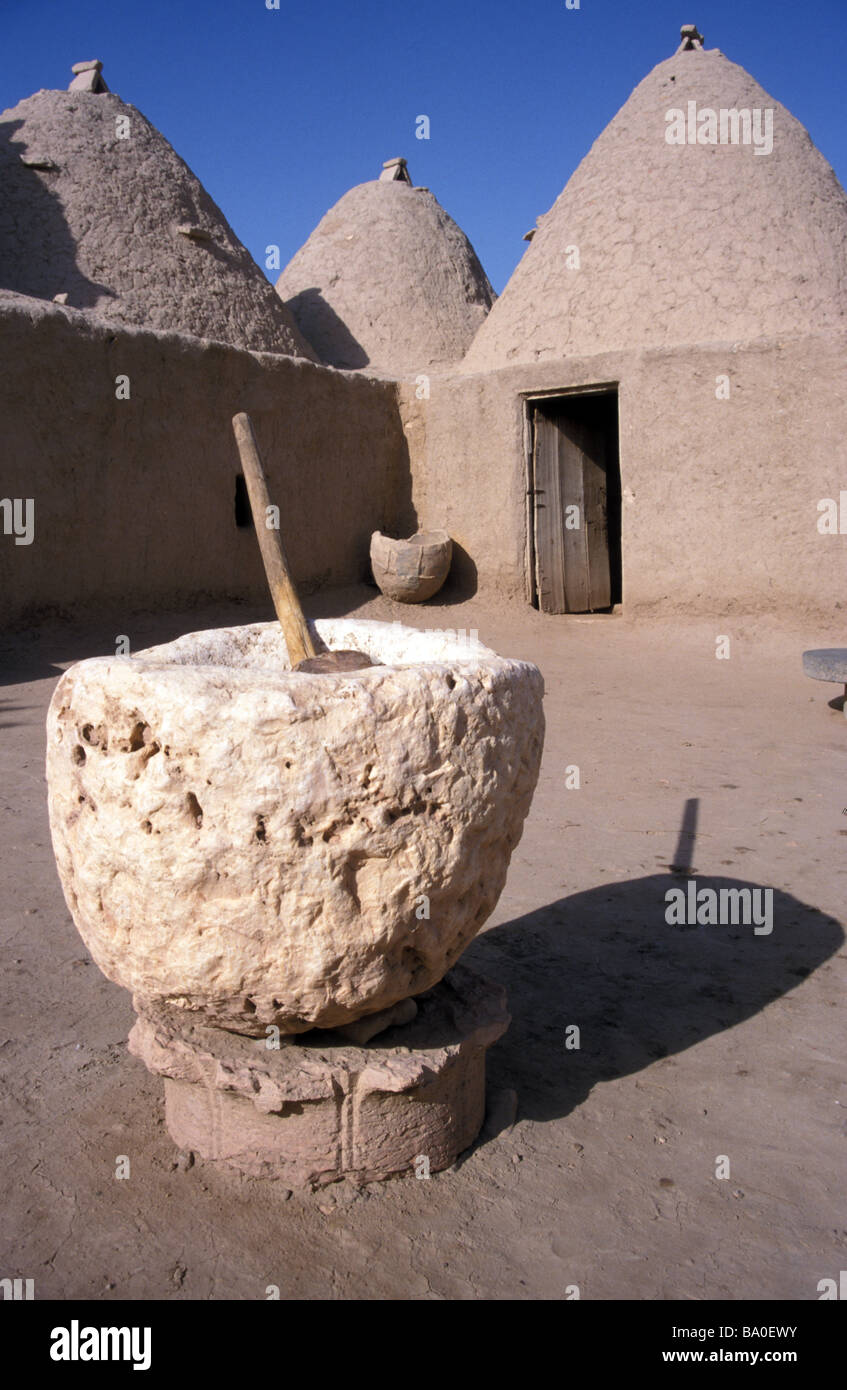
575	495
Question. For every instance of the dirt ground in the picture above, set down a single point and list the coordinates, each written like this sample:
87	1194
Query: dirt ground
695	1042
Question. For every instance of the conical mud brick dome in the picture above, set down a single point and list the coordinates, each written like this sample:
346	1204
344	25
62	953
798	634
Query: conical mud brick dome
100	211
387	280
672	231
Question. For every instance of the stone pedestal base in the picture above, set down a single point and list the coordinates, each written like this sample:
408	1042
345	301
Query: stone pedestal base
317	1109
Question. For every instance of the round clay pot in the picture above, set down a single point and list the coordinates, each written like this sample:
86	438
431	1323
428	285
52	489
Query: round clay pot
413	570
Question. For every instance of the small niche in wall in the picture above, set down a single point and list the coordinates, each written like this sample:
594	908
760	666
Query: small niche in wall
243	512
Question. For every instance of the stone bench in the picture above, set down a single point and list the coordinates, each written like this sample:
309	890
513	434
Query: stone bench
828	664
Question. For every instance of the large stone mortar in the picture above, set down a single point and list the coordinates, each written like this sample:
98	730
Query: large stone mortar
262	846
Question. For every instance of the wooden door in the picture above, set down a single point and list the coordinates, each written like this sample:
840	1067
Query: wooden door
572	572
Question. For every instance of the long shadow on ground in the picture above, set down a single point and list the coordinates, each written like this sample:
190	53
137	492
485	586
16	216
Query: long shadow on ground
636	987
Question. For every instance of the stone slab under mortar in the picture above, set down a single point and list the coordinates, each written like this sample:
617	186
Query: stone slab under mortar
258	846
317	1110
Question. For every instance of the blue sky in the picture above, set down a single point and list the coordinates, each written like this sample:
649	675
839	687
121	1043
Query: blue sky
279	112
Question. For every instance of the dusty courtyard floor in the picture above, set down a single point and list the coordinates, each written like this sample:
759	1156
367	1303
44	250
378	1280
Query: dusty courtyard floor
696	1043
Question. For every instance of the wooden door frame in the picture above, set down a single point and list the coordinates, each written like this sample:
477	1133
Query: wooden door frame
528	400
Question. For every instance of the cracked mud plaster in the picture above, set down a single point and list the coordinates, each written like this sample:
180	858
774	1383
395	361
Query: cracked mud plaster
678	244
98	218
387	281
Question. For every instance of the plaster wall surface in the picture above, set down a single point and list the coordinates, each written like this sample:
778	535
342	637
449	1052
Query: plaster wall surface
652	244
720	496
98	206
387	281
134	499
